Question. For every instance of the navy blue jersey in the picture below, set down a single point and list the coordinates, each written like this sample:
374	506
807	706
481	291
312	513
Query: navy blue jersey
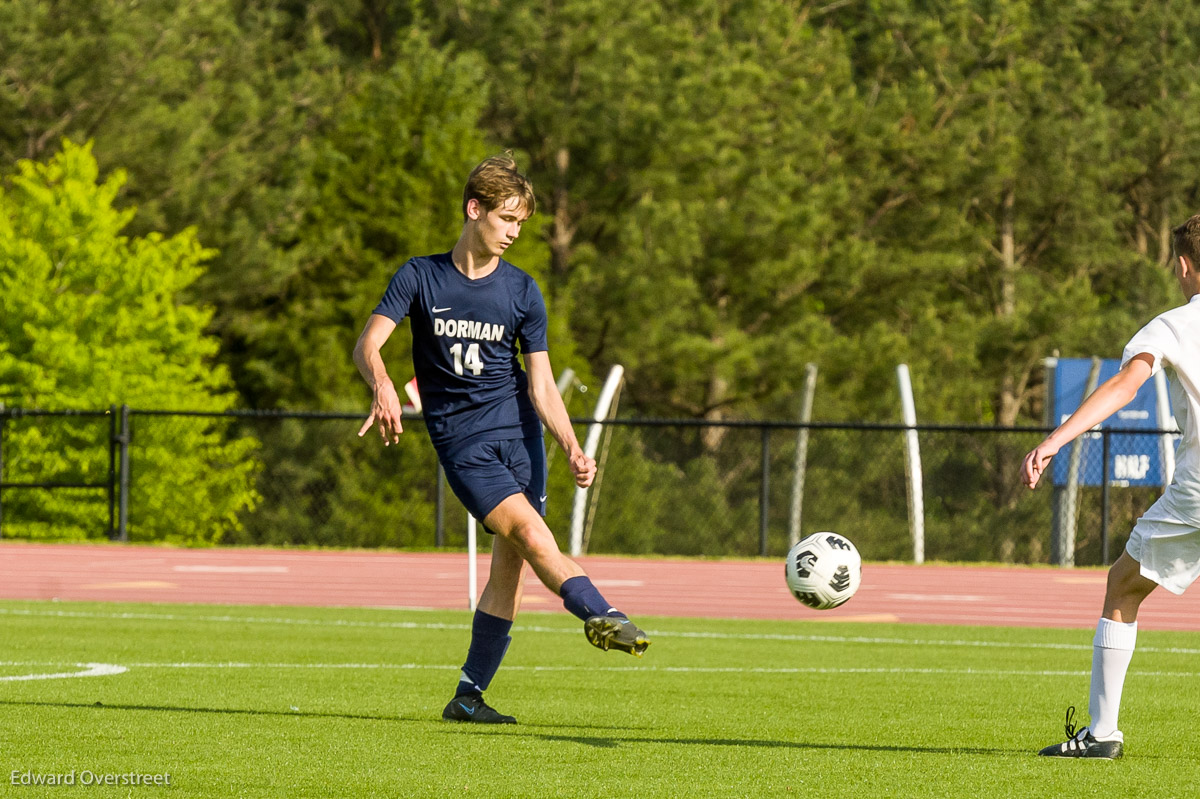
465	344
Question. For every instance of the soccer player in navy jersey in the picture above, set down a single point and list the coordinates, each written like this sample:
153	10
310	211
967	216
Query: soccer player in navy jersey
471	313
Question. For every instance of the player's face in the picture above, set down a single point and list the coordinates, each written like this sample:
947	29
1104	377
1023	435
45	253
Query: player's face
501	226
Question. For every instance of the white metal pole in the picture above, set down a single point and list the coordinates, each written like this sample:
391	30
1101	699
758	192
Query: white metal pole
565	381
1165	422
801	463
591	444
1070	513
472	568
912	464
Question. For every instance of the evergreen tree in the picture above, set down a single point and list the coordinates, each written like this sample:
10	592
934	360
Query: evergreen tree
92	318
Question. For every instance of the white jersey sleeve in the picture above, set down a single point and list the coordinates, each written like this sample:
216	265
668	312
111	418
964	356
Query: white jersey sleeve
1157	339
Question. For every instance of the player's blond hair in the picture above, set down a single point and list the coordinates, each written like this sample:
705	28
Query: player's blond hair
496	181
1187	240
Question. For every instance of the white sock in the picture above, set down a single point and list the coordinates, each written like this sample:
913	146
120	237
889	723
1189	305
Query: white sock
1112	649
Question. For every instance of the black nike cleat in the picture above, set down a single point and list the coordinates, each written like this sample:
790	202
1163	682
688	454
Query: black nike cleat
1084	744
475	710
615	632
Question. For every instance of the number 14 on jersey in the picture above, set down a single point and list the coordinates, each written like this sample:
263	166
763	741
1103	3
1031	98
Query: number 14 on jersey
471	361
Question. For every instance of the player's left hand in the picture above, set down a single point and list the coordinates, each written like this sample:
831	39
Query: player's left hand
583	467
1035	463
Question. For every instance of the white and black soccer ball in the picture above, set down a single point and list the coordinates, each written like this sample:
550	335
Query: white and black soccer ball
823	571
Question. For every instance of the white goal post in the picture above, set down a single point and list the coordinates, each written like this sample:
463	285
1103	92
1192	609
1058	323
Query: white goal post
912	464
590	447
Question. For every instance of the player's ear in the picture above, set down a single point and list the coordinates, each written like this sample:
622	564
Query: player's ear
1187	267
474	209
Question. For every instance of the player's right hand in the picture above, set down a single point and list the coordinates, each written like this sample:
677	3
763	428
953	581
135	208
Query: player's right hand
1036	462
386	413
582	467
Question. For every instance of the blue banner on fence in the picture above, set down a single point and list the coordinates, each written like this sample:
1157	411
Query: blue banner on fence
1133	459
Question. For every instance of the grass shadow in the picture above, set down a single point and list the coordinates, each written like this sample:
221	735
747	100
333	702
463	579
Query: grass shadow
603	742
285	713
531	730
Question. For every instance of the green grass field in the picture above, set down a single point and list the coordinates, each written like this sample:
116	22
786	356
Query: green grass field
287	702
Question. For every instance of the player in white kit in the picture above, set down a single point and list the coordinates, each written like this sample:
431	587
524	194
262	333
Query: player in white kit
1164	546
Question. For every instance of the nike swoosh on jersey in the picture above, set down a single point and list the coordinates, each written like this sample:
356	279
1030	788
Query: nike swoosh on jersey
440	310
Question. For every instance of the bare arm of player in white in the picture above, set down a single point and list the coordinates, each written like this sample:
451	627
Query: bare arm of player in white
385	406
549	405
1114	394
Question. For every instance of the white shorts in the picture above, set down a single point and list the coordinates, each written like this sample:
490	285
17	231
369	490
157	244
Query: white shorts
1168	552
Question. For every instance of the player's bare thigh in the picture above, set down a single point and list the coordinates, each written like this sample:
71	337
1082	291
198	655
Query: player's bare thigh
522	526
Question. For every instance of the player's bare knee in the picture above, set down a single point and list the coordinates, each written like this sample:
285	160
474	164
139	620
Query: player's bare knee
531	538
1125	590
1117	590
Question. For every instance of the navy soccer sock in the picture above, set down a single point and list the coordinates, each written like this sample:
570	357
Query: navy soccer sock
489	642
581	598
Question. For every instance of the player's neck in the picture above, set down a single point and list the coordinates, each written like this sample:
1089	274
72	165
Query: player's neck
472	263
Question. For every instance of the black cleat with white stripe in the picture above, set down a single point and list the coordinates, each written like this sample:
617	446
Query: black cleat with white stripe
1084	744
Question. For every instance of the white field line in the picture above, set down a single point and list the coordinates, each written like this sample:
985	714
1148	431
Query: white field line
201	568
671	669
406	625
86	670
102	669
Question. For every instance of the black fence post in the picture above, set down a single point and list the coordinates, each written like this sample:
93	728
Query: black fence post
112	471
439	536
1105	447
764	496
123	511
3	421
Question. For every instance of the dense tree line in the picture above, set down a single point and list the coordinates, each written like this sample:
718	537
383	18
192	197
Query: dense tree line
727	191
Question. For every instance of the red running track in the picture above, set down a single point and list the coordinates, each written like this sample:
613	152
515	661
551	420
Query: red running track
750	589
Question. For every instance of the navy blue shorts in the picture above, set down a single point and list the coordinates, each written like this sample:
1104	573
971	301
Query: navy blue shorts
484	474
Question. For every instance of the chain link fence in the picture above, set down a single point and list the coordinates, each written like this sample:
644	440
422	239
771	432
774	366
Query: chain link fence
666	486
